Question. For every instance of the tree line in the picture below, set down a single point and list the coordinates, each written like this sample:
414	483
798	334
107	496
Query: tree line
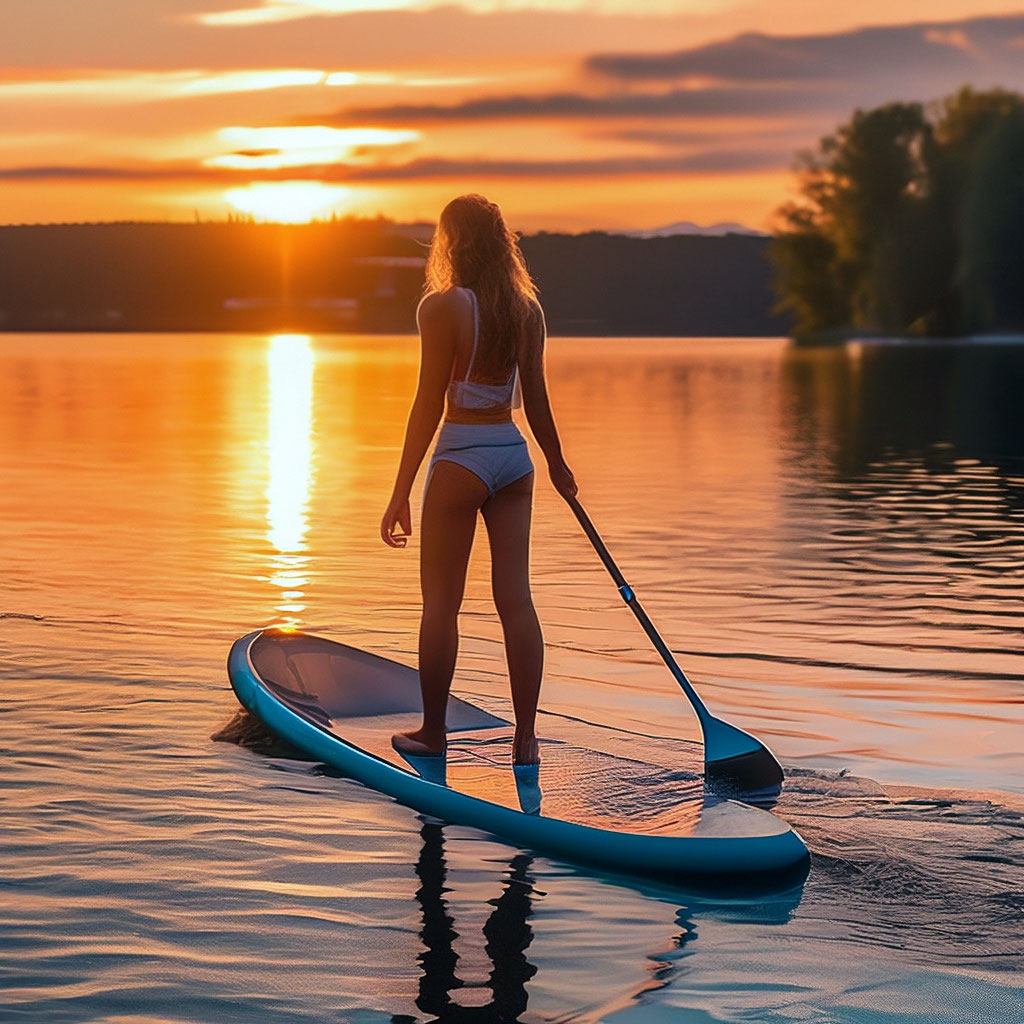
909	221
366	274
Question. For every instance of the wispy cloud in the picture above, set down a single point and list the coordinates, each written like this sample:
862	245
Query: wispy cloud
956	38
720	101
134	87
781	140
273	11
426	168
290	10
708	161
294	146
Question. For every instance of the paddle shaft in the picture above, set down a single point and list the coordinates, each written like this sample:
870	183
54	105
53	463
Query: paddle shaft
627	594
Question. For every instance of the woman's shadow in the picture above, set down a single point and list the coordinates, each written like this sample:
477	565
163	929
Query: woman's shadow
507	932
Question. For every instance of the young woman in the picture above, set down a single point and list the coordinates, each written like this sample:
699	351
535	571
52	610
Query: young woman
482	333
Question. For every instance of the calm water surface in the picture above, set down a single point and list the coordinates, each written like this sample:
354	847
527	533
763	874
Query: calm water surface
832	542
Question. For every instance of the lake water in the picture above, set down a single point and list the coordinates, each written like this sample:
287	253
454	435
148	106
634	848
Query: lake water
832	541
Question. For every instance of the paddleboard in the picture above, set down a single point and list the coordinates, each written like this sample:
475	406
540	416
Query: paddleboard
341	705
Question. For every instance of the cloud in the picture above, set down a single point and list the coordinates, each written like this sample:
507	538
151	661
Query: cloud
755	76
290	10
703	162
68	173
131	34
937	50
256	148
711	161
955	37
673	138
165	34
131	88
715	101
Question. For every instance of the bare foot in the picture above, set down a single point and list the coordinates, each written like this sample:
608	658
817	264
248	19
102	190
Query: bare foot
419	742
525	750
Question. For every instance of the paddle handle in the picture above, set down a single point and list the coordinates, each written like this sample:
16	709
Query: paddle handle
627	594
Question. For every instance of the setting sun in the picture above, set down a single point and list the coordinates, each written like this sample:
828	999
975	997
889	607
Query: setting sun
286	202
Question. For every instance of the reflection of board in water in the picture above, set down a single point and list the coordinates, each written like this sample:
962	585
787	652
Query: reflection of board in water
342	705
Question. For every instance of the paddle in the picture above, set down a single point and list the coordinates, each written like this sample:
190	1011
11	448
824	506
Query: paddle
735	763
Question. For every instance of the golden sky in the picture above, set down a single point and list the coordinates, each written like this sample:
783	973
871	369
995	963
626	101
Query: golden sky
573	114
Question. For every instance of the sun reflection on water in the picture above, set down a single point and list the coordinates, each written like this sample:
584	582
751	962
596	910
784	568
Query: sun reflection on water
290	468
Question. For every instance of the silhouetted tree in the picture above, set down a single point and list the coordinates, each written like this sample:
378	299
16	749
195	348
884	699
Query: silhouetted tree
897	228
990	273
963	123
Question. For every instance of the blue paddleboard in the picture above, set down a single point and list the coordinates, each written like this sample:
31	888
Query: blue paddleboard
341	705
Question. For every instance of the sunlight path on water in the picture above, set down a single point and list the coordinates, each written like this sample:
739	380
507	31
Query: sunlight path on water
290	449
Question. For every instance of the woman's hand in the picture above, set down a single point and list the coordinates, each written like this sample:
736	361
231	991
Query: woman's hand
396	515
562	479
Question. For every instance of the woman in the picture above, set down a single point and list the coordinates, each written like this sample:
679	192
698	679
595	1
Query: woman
482	333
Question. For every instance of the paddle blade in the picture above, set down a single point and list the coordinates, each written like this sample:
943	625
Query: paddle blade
754	778
739	765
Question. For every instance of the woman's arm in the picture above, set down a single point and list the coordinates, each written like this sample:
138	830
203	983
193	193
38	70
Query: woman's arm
537	405
436	318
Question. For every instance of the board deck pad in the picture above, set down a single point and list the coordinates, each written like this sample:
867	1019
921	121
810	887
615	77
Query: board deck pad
577	784
363	699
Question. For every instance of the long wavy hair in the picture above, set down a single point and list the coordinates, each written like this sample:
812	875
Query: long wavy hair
474	248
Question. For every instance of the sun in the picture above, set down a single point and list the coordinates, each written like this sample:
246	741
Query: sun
285	202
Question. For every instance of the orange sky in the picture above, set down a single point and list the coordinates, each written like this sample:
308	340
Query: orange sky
571	114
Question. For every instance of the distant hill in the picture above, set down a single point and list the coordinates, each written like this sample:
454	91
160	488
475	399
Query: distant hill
687	227
363	275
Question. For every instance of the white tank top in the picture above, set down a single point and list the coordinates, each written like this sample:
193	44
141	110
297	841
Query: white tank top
479	397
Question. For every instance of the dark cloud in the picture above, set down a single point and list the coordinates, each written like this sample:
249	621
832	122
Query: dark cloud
753	75
703	162
680	138
716	102
955	50
64	172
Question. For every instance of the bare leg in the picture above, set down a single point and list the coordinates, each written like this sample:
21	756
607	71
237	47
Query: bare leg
450	507
507	516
